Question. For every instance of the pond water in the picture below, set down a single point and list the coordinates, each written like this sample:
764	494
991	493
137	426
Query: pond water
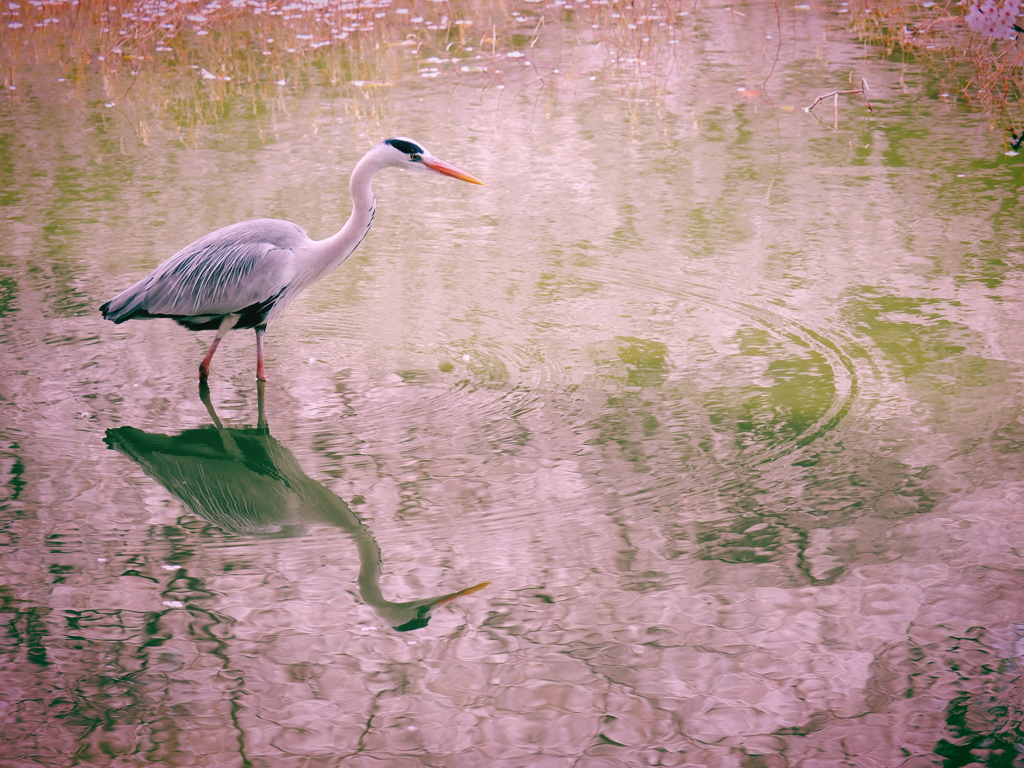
719	398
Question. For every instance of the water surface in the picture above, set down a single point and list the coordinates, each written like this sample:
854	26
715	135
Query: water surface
722	399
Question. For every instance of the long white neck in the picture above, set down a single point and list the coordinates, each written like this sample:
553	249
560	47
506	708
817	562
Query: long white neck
323	256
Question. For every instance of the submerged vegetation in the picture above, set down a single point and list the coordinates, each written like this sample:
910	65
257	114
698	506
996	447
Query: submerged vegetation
188	58
199	52
977	60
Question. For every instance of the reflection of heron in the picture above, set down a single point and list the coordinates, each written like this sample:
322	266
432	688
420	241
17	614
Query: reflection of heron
244	481
246	274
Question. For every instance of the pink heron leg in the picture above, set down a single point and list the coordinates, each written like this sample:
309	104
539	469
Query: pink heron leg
261	372
225	325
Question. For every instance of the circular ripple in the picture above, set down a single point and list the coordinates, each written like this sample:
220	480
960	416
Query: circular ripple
627	389
780	342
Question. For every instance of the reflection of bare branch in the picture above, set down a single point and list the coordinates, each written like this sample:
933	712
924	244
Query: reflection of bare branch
863	91
126	91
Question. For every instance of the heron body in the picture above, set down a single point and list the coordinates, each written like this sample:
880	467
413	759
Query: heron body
246	274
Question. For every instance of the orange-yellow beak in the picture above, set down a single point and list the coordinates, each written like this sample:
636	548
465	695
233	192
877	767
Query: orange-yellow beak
440	166
478	587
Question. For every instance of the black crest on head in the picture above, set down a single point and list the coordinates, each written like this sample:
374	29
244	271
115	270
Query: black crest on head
404	145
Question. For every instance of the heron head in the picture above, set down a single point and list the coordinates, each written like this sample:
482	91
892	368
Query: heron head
411	155
416	614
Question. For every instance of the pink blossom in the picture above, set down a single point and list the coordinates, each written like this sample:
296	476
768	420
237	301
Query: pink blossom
994	19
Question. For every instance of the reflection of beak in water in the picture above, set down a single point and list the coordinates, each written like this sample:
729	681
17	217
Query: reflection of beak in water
244	481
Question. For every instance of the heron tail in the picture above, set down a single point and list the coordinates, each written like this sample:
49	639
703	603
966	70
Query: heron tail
124	306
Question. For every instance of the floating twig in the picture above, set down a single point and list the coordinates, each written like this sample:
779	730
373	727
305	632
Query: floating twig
862	91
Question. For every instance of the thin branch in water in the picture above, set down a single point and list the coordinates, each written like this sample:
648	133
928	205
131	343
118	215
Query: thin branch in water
114	101
862	92
778	46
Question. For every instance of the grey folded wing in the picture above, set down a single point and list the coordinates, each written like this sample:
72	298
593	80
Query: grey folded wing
222	273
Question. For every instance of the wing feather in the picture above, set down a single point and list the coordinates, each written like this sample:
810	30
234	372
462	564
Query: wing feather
224	272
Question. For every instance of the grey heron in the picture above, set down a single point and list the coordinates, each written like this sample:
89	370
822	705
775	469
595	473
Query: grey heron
245	482
245	275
